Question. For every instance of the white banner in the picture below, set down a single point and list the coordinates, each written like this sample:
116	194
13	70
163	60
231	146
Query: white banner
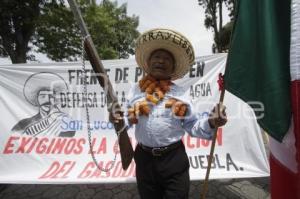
44	137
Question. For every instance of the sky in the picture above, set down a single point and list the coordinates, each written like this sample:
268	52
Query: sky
184	16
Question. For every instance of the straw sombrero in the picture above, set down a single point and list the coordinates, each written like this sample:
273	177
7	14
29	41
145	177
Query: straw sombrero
170	40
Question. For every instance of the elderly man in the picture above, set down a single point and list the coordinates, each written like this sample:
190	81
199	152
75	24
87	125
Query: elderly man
41	90
162	116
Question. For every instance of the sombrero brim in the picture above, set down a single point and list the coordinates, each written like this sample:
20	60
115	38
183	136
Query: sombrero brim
43	81
169	40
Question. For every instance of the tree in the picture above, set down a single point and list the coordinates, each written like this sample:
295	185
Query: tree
225	34
17	22
51	29
113	32
214	20
57	34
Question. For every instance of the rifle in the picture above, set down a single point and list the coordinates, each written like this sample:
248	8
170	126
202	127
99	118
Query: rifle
126	149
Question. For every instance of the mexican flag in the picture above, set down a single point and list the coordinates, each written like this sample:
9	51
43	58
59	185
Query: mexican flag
263	69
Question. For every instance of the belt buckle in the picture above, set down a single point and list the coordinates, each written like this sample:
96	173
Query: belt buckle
156	151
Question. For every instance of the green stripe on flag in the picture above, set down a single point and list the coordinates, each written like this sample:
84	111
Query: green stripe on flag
258	61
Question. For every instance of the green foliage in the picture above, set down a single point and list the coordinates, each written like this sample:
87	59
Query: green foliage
57	34
214	20
230	4
112	31
49	25
210	7
225	35
17	22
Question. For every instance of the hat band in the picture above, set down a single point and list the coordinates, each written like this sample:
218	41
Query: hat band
169	36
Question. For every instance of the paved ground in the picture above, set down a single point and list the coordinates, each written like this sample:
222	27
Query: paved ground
254	188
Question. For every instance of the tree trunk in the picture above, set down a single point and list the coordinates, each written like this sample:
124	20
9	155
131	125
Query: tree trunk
219	45
19	58
215	27
17	28
17	55
15	48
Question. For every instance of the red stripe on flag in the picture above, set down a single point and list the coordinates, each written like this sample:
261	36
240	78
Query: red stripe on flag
285	183
295	92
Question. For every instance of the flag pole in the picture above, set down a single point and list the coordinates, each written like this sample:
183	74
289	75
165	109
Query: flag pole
222	95
213	144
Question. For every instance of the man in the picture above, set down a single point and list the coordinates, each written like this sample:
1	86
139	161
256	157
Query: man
162	115
41	90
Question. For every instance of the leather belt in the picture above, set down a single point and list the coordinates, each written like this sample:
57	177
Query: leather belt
159	151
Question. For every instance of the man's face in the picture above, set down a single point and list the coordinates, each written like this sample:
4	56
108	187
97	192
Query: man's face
161	64
46	100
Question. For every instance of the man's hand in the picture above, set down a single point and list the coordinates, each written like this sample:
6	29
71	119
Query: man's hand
218	116
116	117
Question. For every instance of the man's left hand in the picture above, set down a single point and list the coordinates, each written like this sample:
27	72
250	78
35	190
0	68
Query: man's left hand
218	116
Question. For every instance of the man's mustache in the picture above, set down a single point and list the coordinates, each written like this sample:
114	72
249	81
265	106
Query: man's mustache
46	103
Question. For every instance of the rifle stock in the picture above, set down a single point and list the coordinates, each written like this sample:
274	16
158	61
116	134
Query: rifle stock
126	149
